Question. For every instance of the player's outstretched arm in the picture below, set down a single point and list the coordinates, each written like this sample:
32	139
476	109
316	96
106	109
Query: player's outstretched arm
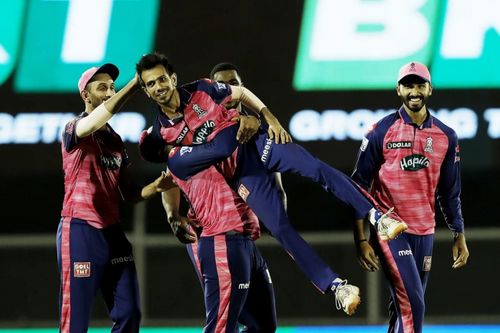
103	113
248	98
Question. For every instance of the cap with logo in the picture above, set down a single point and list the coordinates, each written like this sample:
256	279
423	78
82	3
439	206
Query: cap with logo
86	76
414	68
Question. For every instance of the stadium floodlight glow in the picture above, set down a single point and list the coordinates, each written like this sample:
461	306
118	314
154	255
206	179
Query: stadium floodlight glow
360	44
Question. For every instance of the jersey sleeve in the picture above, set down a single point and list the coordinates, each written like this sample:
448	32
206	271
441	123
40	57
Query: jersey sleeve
369	158
152	148
188	161
219	91
449	186
69	137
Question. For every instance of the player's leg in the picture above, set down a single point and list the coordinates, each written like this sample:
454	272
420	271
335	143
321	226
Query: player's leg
226	265
259	311
82	256
119	286
405	283
192	250
294	158
256	186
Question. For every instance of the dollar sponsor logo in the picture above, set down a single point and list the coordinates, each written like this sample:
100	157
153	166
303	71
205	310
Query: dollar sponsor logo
201	133
182	135
398	145
414	162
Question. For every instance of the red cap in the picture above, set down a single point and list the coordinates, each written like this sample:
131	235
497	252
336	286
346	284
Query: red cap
414	68
86	76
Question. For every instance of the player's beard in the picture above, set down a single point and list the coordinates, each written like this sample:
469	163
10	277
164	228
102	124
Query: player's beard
415	106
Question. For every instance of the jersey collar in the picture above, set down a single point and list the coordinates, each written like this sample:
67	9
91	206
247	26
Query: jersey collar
406	118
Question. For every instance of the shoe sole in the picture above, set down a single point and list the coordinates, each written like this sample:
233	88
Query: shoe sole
351	309
401	227
353	306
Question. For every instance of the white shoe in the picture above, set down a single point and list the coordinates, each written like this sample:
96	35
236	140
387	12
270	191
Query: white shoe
346	297
387	227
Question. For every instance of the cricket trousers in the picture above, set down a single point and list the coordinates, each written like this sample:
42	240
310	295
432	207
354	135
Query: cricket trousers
89	260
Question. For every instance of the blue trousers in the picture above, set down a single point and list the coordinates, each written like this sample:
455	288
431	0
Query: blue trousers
406	262
236	283
257	160
90	259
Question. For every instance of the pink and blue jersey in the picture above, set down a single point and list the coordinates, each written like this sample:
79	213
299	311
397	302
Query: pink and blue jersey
204	116
407	165
91	168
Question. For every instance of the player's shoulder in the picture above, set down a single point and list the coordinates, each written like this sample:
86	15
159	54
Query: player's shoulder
382	126
450	132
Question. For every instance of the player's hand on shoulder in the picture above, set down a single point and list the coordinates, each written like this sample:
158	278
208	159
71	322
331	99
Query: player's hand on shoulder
275	131
182	227
367	258
249	125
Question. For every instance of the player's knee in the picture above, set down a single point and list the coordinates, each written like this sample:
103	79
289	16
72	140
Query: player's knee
131	315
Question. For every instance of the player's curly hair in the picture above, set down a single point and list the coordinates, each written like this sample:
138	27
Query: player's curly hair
224	66
152	60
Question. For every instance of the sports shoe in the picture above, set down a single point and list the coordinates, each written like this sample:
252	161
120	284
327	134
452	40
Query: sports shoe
346	297
387	227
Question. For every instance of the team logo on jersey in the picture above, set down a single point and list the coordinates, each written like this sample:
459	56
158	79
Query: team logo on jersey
182	135
201	133
427	263
243	192
428	145
199	111
265	152
399	145
111	162
364	144
414	162
81	269
185	150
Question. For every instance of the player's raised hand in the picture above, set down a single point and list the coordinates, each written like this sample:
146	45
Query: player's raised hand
249	125
460	251
367	258
182	227
275	131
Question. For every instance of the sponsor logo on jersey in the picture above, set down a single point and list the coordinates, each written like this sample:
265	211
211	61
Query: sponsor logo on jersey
199	111
428	145
111	162
265	152
244	285
120	260
364	144
81	269
185	150
414	162
201	133
398	145
243	192
427	263
182	135
404	253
